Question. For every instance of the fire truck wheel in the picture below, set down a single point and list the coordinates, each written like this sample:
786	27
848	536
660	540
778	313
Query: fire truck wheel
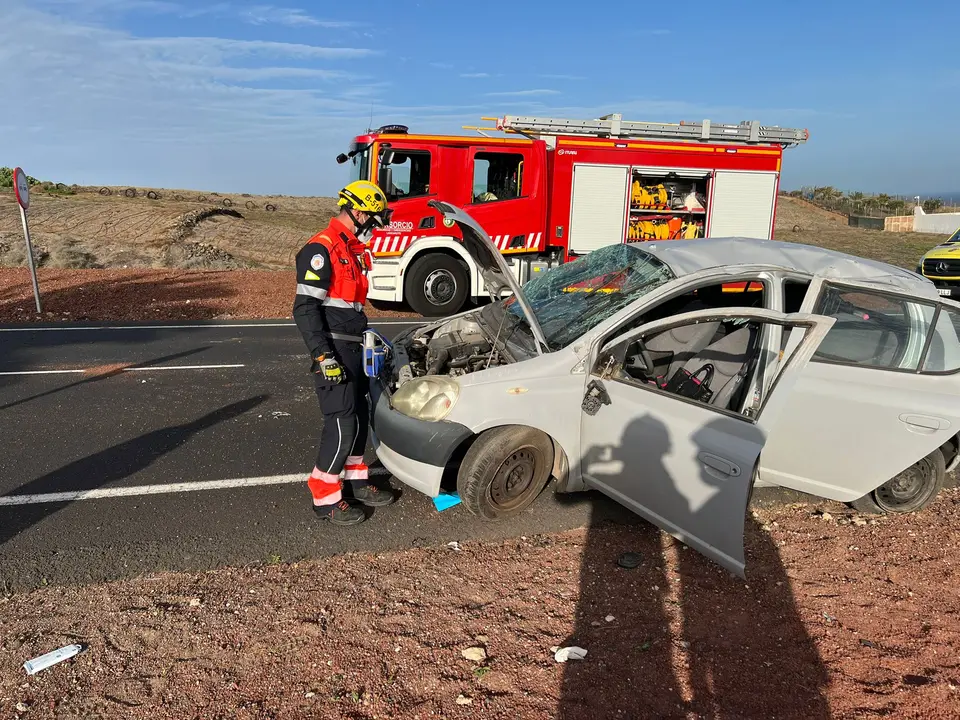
437	285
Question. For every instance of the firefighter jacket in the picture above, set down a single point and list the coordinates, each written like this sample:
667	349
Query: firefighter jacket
331	290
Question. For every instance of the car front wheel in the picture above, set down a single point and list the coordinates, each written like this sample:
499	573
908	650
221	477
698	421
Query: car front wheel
504	471
911	490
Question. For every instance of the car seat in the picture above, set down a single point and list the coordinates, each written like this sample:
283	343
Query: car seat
682	343
731	357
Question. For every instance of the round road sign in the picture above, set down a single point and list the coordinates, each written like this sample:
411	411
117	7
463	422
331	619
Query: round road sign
21	188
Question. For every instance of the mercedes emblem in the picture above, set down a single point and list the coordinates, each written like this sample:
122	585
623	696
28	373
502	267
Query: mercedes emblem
941	267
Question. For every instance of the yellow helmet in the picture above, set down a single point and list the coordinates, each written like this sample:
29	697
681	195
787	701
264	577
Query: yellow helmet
366	197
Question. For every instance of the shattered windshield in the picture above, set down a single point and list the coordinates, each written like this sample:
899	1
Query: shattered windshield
575	297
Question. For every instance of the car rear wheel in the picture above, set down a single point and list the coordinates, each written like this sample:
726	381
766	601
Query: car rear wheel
504	471
911	490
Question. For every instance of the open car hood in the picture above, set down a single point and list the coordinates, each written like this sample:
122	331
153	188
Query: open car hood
493	268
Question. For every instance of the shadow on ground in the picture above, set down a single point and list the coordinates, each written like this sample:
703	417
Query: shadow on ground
679	636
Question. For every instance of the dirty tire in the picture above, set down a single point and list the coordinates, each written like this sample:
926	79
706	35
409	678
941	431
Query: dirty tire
106	191
202	198
797	228
250	205
227	202
437	285
270	207
178	198
130	192
153	195
504	471
910	491
60	186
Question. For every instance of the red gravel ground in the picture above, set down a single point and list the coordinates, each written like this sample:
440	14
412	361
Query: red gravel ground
841	617
131	295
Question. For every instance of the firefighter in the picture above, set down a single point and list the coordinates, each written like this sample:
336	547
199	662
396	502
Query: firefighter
328	310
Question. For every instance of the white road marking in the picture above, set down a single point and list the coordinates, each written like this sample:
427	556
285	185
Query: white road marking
146	368
179	367
162	489
71	328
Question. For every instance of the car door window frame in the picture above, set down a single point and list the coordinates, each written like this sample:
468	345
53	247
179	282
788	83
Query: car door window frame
598	357
768	275
684	284
941	304
815	294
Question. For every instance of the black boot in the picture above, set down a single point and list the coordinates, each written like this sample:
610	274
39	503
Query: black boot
369	494
342	513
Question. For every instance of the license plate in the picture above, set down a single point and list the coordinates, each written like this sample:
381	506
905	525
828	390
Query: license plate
944	291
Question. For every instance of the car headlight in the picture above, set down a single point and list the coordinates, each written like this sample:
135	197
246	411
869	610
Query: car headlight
426	398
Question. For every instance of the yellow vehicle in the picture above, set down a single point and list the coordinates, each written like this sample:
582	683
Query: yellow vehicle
942	266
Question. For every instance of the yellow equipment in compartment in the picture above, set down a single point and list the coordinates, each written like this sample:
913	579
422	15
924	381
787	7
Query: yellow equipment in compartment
654	196
663	229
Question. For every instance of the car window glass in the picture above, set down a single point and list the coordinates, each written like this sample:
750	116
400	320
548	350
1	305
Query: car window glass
944	352
575	297
873	329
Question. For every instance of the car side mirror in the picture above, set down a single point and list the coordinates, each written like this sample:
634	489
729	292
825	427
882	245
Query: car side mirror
386	157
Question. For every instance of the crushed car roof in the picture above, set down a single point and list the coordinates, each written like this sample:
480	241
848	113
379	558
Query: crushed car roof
689	256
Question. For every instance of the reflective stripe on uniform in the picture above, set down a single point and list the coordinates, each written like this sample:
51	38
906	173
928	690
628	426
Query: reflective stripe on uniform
339	303
345	338
313	292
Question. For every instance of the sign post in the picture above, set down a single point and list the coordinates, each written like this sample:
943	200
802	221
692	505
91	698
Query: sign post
21	188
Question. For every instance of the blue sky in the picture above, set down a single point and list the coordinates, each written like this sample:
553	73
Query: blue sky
254	97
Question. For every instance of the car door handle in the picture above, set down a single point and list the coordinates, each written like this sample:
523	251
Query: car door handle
924	423
719	464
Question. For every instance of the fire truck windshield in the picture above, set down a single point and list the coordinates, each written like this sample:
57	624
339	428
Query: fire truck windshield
574	298
360	164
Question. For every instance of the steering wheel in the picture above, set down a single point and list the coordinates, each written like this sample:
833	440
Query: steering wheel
644	355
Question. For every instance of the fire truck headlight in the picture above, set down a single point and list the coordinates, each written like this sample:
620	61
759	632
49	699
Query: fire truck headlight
428	398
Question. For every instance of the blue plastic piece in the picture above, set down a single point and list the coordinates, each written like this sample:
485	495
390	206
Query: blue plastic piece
445	501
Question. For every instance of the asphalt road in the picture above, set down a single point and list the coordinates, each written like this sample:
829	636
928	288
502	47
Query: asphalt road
101	430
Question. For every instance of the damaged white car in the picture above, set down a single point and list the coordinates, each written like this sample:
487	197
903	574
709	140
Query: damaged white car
631	371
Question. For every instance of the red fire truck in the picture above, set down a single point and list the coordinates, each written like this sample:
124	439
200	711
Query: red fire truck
548	190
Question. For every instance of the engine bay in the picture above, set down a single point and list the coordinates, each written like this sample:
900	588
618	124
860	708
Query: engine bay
457	347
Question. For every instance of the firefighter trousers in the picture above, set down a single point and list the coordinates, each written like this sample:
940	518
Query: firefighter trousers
346	414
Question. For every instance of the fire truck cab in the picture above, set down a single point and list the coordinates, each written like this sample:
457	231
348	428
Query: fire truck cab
549	190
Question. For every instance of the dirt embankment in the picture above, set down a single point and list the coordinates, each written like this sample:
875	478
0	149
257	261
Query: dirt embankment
830	230
135	252
89	230
841	616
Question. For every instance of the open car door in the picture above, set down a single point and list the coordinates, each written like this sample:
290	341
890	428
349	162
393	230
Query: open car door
677	455
886	374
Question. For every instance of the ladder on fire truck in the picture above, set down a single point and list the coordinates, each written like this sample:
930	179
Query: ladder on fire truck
613	126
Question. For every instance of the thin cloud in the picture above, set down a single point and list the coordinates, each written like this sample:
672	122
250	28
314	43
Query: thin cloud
475	75
249	14
523	93
234	48
291	17
441	65
561	77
